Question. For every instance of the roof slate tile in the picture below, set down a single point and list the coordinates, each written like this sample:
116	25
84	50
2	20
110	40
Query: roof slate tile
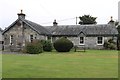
88	30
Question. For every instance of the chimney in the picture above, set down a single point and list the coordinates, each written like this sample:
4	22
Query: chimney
111	22
55	23
21	15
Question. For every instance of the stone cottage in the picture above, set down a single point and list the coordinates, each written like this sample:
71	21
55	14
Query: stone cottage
89	36
22	31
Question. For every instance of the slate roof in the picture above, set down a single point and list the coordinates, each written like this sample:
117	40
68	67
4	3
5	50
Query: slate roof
40	29
36	27
70	30
87	30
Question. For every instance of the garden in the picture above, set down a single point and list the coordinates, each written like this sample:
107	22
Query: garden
40	60
89	64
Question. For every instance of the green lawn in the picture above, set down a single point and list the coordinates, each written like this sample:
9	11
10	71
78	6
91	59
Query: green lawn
0	64
89	64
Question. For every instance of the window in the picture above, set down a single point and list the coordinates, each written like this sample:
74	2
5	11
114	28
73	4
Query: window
11	39
35	36
48	38
81	40
31	38
100	40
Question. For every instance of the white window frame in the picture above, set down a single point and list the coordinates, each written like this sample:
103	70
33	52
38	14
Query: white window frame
46	38
83	41
11	39
30	38
51	40
102	40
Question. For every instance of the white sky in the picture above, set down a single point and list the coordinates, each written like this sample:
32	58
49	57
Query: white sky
44	12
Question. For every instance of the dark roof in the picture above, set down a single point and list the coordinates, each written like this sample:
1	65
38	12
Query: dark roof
69	30
88	30
6	29
38	28
65	30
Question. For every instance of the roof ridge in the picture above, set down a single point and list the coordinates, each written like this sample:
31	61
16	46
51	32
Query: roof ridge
10	26
45	30
33	22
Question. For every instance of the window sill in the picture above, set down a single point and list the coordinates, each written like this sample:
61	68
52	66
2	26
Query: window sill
99	44
81	44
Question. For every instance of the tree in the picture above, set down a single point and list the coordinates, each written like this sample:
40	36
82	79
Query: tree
87	19
118	41
116	23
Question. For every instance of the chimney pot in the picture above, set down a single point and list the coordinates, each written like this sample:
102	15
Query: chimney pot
55	23
21	15
111	22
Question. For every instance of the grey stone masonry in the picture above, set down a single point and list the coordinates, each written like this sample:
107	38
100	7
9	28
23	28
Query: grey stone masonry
90	36
1	40
21	35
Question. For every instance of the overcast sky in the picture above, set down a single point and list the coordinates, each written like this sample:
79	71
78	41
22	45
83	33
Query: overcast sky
44	12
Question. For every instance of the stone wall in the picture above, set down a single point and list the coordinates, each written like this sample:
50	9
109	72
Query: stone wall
0	40
21	35
90	42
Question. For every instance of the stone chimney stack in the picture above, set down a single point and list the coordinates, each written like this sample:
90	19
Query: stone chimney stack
112	22
21	15
55	23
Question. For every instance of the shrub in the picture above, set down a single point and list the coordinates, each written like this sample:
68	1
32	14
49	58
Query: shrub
63	45
110	44
34	48
111	41
106	43
47	45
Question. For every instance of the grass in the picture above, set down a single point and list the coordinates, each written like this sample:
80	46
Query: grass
89	64
0	64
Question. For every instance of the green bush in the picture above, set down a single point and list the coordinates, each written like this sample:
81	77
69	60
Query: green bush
34	48
47	45
106	43
111	41
63	45
110	44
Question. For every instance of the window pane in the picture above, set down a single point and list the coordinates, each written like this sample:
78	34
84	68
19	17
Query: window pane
11	39
35	36
31	38
100	40
48	37
81	40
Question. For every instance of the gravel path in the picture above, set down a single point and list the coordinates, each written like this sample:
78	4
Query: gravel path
8	52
